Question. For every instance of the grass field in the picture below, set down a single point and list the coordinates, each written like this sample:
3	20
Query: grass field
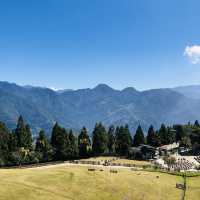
77	183
135	162
193	188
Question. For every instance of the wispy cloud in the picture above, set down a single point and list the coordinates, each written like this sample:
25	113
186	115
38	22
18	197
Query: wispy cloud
56	89
193	53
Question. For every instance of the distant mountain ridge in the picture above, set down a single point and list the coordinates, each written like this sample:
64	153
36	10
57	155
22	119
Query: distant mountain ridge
190	91
42	107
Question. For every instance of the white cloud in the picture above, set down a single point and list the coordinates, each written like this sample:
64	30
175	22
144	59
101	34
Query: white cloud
193	53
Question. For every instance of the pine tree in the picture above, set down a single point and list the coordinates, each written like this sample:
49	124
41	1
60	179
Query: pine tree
55	131
28	137
180	132
171	135
196	123
66	150
23	134
123	140
84	143
151	137
157	140
13	142
163	135
73	145
100	140
4	137
128	139
58	142
111	139
4	144
117	140
43	146
20	132
138	137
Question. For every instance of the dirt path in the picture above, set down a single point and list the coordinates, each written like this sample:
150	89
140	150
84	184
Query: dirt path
66	164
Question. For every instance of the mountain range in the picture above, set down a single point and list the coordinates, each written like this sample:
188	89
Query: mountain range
42	107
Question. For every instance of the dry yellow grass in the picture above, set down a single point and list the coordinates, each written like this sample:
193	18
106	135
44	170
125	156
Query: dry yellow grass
193	188
77	183
135	162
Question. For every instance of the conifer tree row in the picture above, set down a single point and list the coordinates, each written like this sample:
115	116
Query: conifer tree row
18	147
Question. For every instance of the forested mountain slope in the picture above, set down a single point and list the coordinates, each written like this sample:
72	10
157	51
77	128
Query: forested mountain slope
42	107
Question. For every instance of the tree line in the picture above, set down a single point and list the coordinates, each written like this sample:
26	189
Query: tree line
18	147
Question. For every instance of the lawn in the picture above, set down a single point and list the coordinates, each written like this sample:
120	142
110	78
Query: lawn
77	183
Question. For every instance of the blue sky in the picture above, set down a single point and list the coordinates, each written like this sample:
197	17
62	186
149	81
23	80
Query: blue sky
80	43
